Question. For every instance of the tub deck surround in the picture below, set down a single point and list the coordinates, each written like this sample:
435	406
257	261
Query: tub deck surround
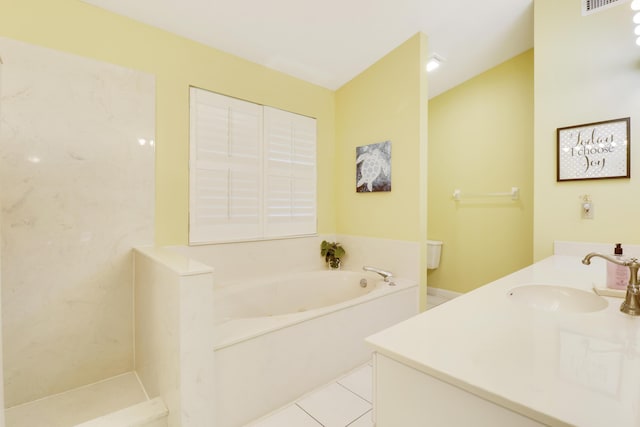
262	363
176	262
250	260
237	261
174	354
255	358
557	368
293	293
401	257
246	310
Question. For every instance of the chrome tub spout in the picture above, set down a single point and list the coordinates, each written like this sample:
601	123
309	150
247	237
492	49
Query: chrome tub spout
386	275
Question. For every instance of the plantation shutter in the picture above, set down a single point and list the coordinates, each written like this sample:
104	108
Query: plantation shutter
252	171
225	168
290	173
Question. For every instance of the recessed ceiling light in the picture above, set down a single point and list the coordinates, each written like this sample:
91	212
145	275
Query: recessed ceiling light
434	62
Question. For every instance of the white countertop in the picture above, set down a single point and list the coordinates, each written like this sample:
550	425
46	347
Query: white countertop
558	368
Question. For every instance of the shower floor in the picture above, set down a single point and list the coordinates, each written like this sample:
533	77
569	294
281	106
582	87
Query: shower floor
78	405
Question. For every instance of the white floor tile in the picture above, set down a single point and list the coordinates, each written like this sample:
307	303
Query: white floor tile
436	300
363	421
291	415
334	406
360	382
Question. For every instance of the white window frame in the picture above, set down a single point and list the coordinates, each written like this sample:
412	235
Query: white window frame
277	147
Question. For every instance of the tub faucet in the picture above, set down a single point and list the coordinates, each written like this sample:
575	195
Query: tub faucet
386	275
631	304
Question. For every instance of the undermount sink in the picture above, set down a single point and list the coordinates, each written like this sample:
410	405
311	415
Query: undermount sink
557	298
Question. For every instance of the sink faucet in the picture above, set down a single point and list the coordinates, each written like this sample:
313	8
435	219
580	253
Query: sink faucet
385	274
631	304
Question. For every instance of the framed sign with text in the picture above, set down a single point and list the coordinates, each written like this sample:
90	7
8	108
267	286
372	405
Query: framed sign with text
595	150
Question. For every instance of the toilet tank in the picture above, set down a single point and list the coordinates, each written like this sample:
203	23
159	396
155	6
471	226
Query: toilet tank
434	249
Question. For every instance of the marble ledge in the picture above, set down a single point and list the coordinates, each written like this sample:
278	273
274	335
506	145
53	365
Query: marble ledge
580	249
141	414
178	263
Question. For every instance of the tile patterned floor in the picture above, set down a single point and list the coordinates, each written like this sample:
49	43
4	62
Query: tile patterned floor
434	300
346	402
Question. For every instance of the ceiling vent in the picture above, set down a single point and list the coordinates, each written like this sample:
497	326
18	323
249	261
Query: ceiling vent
593	6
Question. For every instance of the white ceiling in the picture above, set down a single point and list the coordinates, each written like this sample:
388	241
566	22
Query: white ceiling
329	42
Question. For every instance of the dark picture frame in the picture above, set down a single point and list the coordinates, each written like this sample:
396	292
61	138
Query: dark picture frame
599	150
373	167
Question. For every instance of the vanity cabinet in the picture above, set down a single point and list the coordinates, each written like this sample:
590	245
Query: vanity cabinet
404	396
536	347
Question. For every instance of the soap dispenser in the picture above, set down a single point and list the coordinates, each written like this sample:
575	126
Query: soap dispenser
617	275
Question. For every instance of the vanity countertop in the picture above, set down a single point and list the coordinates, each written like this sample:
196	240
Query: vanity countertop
559	368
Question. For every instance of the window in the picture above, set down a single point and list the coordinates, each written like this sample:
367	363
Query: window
252	171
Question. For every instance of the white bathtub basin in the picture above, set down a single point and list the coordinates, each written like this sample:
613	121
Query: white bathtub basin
557	298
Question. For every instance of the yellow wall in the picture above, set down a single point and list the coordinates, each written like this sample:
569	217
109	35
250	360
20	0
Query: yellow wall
587	69
384	103
388	101
75	27
481	140
2	405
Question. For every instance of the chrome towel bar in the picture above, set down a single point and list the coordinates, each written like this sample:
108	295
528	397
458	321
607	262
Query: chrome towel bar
514	194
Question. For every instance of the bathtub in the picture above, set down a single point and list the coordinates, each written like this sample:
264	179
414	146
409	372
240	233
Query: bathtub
279	338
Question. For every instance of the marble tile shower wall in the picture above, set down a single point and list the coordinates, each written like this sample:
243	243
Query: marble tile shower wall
246	260
77	193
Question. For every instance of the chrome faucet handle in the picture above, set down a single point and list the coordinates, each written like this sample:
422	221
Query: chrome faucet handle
631	304
386	275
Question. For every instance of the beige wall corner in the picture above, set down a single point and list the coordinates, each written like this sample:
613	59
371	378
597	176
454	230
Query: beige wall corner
387	102
481	141
587	69
176	63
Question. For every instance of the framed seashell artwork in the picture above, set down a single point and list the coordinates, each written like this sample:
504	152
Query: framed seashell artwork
373	167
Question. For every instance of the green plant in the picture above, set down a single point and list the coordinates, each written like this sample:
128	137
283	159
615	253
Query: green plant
331	250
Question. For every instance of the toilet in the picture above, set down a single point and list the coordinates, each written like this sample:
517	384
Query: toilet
434	249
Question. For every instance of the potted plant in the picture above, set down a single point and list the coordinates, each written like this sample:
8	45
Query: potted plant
332	252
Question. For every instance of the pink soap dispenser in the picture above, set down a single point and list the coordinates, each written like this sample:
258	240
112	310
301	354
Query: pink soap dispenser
617	275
